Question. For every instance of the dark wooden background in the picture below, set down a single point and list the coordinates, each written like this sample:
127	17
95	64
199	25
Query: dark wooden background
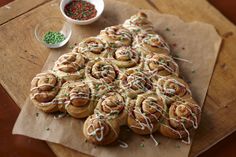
20	146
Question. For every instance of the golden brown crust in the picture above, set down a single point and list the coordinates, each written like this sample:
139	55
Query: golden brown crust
172	88
144	116
112	106
100	131
44	88
161	65
70	66
116	36
183	116
151	44
135	82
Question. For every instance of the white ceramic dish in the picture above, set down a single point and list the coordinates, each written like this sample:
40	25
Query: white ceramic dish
99	5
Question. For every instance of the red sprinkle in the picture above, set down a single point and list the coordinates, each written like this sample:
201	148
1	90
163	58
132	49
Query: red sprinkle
80	10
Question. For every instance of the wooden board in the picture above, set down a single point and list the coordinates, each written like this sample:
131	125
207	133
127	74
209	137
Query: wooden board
21	59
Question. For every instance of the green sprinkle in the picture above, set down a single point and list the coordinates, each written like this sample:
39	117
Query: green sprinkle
193	71
167	29
53	37
141	145
177	146
37	114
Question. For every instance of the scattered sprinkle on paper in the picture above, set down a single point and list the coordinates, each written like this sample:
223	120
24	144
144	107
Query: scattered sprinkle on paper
47	129
193	71
167	29
37	114
141	145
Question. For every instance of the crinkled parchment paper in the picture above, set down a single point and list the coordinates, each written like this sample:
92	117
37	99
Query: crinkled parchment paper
196	42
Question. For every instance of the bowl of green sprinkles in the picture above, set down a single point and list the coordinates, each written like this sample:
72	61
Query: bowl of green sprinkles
53	32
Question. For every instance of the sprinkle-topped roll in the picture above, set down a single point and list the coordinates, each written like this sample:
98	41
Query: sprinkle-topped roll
125	57
172	88
100	131
112	106
151	44
101	71
183	116
116	36
91	47
44	88
70	66
135	82
161	65
138	23
148	110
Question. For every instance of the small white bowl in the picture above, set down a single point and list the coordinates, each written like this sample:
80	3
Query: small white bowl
99	5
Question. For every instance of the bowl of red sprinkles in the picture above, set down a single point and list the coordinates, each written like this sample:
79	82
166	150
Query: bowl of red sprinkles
82	12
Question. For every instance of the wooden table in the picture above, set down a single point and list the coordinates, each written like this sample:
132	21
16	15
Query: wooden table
220	94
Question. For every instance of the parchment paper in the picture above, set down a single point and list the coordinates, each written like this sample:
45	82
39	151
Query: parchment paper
196	42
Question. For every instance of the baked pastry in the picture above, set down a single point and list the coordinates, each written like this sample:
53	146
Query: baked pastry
44	88
92	47
173	88
183	116
146	112
125	57
135	82
116	36
100	131
70	66
161	65
151	44
81	98
112	106
101	71
123	76
139	23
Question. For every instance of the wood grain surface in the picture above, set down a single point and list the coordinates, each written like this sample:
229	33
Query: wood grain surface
19	64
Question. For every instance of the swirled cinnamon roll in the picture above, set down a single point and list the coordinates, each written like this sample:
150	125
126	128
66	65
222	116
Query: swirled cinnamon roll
135	82
101	71
92	47
138	23
161	65
44	88
70	66
125	57
116	36
78	99
184	115
148	110
100	131
151	44
172	88
112	106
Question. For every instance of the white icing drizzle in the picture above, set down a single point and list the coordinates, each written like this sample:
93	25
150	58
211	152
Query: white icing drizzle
123	144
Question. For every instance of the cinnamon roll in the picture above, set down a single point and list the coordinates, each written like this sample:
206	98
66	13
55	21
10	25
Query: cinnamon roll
125	57
70	66
116	36
80	101
138	23
144	116
112	106
161	65
135	82
184	115
92	47
151	44
172	88
99	130
101	71
44	88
